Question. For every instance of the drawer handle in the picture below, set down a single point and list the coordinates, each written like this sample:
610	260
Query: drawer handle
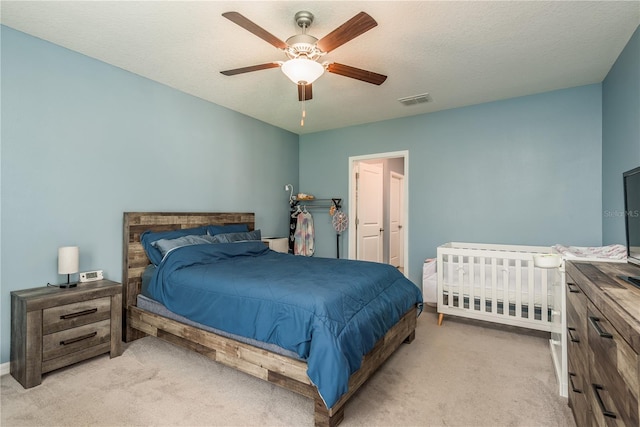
573	387
574	290
79	313
596	391
571	337
594	322
80	338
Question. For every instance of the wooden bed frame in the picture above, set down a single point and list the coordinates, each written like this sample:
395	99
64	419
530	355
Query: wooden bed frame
274	368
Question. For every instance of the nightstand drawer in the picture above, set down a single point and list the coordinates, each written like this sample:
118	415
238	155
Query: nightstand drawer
75	339
77	314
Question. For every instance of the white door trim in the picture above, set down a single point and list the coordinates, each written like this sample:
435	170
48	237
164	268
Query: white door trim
394	175
352	201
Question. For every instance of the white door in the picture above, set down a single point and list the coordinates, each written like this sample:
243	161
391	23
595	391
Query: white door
369	211
396	234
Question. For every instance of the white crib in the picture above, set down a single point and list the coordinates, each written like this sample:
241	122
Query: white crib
498	283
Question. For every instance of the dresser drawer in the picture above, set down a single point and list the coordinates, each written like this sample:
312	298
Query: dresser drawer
578	361
610	406
613	388
576	325
577	394
75	339
578	372
72	315
576	312
577	304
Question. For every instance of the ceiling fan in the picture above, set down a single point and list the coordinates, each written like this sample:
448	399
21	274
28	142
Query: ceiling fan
304	51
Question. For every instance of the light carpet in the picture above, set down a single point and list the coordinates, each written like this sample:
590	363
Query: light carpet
459	374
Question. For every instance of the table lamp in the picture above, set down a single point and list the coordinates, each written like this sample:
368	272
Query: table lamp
68	257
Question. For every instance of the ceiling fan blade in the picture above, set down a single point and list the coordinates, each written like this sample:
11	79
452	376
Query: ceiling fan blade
255	29
351	29
304	92
356	73
250	69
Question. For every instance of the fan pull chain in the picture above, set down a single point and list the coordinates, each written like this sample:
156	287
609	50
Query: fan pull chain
302	106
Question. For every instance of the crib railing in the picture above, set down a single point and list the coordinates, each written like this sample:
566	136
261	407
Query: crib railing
498	283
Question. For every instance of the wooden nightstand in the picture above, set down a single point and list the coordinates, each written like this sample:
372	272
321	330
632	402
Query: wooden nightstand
278	244
52	327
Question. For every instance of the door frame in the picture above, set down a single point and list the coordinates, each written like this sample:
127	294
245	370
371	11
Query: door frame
405	208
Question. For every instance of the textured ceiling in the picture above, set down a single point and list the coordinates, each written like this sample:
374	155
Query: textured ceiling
461	53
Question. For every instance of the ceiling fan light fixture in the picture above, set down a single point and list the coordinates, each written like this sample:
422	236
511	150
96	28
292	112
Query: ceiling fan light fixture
302	70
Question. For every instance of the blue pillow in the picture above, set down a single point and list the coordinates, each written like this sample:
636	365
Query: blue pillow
148	237
212	230
166	245
237	237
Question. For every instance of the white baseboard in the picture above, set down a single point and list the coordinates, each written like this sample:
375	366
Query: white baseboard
4	368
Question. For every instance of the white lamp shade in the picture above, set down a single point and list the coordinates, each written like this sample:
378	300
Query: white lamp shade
302	70
68	257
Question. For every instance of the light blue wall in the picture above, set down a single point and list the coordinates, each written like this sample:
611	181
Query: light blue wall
75	129
521	171
530	170
620	136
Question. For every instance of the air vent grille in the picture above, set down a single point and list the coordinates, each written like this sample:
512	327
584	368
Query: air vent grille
415	99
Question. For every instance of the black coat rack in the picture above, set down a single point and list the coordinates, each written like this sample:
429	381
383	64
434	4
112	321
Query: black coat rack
309	204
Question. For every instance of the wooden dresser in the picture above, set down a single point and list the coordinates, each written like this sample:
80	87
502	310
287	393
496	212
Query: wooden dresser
603	326
52	327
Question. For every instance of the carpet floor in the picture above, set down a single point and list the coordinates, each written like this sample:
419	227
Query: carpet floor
459	374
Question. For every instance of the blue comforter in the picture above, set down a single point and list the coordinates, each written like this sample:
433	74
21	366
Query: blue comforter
330	312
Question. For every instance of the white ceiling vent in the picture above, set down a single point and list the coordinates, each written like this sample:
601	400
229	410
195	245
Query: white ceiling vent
415	99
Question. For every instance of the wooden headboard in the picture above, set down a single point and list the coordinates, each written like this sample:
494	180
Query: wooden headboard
134	258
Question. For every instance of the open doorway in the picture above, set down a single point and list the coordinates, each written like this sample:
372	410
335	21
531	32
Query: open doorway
378	223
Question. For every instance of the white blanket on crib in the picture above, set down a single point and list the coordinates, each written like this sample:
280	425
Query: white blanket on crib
611	253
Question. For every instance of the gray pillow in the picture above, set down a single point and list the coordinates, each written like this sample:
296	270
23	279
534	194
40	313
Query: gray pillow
166	245
236	237
148	237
